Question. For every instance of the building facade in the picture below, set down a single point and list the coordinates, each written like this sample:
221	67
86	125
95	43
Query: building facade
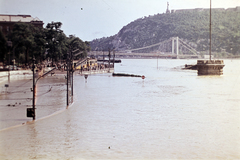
7	22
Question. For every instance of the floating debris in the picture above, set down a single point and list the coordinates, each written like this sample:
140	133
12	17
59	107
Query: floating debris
126	75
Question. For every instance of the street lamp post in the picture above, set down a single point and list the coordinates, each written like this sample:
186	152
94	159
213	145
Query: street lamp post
31	111
109	56
67	77
113	57
103	57
9	43
72	72
34	89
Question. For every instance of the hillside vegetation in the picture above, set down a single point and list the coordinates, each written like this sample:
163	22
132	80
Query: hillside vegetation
190	25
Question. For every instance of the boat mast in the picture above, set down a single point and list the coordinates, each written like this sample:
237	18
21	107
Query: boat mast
210	31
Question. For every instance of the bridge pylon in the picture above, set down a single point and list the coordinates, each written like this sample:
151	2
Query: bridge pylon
177	45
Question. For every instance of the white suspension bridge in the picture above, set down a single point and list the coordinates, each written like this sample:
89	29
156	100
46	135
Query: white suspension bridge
173	47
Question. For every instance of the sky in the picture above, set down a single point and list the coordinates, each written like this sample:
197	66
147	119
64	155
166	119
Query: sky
91	19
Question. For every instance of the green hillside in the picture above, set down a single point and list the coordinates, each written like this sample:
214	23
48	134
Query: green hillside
190	25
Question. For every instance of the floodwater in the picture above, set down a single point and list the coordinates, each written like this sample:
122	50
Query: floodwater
172	114
17	97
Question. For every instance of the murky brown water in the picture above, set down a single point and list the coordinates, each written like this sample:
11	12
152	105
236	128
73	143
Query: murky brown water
15	99
172	114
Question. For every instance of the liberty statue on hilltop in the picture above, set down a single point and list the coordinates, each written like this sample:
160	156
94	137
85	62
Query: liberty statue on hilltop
167	11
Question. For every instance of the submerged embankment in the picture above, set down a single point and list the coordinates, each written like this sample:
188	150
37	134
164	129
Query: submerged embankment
17	97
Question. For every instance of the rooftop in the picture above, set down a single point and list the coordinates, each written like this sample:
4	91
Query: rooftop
17	18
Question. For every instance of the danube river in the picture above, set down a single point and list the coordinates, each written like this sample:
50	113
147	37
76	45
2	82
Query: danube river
171	114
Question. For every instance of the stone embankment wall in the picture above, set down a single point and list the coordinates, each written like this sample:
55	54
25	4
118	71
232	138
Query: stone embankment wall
14	74
17	74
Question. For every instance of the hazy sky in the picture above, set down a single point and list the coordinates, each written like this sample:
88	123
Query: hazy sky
90	19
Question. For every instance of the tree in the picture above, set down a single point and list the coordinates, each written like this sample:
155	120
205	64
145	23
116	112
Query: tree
39	45
76	44
29	41
3	47
54	37
22	37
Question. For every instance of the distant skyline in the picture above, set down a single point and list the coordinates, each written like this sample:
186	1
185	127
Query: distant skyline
91	19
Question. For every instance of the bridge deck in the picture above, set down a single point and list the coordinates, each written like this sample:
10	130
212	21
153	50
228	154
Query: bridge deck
144	55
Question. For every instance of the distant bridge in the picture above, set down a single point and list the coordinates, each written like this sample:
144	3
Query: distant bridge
142	55
171	48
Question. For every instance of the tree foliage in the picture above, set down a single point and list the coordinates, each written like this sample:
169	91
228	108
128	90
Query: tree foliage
54	37
3	47
23	40
76	44
48	43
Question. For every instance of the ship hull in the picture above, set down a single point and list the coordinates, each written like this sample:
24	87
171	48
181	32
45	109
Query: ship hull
210	67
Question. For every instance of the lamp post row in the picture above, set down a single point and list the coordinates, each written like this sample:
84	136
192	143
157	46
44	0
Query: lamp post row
31	111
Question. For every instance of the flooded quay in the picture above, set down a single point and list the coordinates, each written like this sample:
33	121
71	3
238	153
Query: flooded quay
171	114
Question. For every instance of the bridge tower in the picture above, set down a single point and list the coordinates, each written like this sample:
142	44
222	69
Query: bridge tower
173	45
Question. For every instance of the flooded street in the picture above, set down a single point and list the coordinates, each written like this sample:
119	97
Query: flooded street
17	97
172	114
